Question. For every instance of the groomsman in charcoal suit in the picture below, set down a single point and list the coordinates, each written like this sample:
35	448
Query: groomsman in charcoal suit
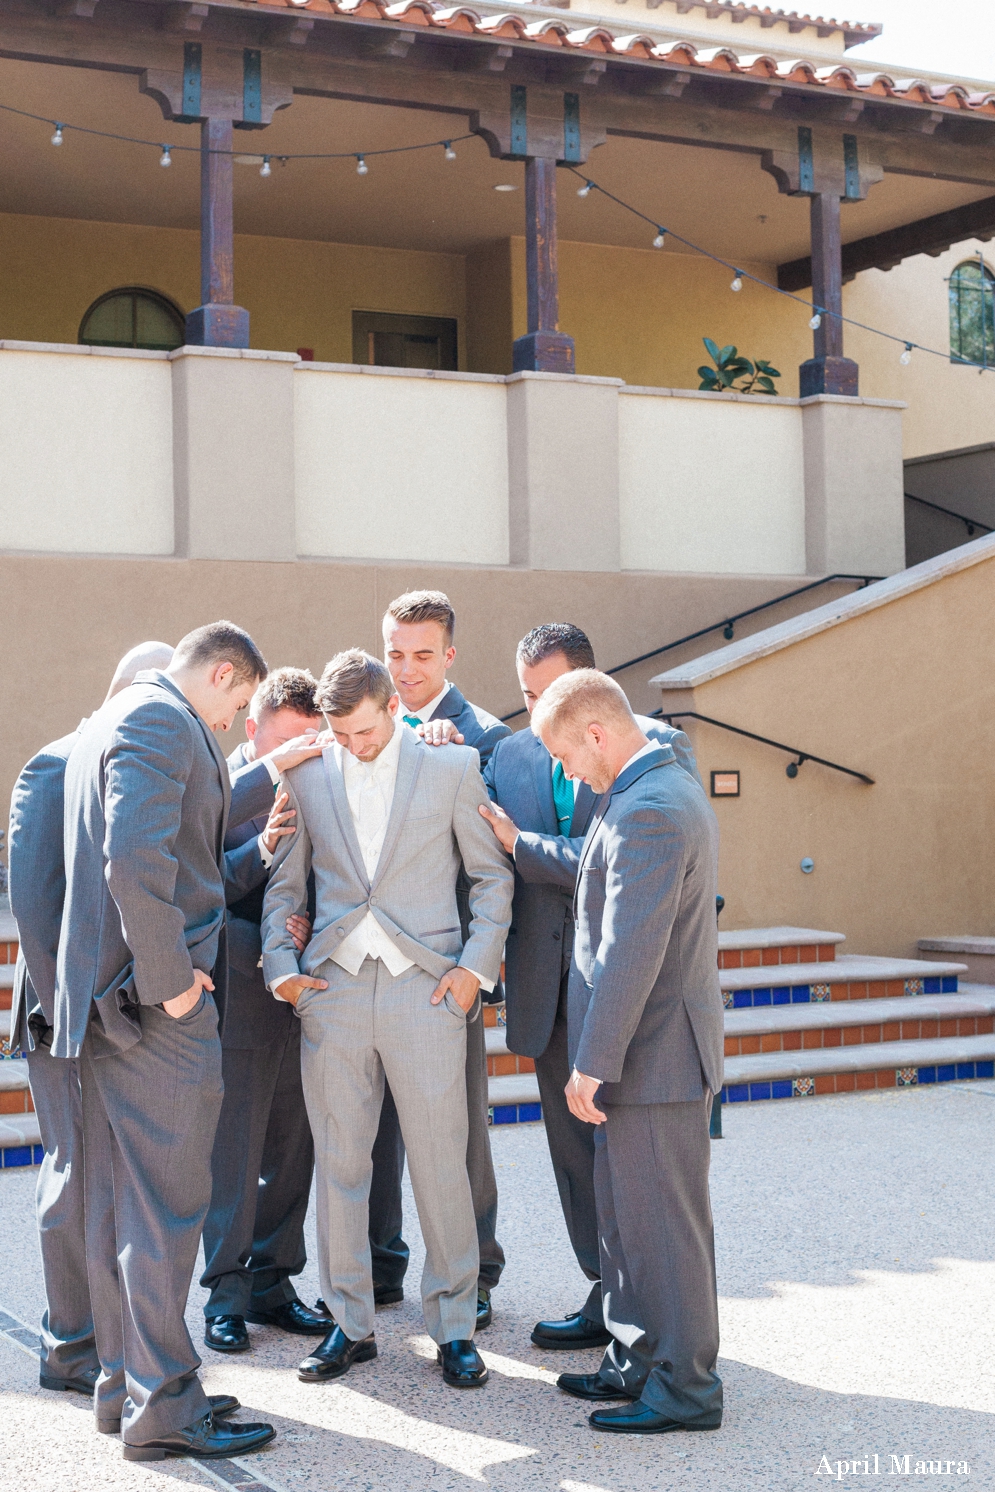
141	955
385	990
263	1155
418	631
646	1043
37	891
533	791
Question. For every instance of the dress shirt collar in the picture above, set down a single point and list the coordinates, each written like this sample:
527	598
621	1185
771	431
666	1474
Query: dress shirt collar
643	751
427	711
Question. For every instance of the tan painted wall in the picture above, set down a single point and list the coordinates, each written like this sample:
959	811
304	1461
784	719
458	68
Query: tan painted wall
904	693
68	620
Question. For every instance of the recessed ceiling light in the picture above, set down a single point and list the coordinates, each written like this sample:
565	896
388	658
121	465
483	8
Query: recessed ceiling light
506	186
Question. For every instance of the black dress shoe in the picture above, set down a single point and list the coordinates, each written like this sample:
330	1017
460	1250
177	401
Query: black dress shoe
484	1313
589	1386
462	1365
320	1308
227	1334
639	1419
221	1404
206	1438
387	1294
81	1383
571	1334
292	1316
336	1356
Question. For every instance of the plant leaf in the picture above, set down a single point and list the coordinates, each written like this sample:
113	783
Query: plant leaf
726	355
765	383
712	348
765	367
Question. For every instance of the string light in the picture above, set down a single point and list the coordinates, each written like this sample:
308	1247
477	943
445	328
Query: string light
166	158
266	169
57	137
815	321
906	356
585	190
661	234
450	152
737	283
362	169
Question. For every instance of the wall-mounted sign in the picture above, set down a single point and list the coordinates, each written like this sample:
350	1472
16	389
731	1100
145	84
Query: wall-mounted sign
725	784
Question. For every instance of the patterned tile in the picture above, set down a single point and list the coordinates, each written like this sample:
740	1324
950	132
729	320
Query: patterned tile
821	993
502	1019
914	987
803	1087
906	1077
727	999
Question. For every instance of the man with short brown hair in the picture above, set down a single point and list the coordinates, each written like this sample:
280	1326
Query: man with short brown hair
385	989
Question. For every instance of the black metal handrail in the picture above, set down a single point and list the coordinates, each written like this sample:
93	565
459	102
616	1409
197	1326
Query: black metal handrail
792	767
970	523
727	624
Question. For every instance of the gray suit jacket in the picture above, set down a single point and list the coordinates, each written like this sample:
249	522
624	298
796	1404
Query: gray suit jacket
434	822
645	1008
519	776
147	798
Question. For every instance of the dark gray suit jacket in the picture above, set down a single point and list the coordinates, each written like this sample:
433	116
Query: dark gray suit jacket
519	776
147	800
478	728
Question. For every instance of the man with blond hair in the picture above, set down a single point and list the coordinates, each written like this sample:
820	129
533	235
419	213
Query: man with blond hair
385	989
141	955
419	649
646	1043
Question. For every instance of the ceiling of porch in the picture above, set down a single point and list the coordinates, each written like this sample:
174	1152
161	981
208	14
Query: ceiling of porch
720	199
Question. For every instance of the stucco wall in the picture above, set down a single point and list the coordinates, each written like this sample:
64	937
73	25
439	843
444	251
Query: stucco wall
711	483
904	693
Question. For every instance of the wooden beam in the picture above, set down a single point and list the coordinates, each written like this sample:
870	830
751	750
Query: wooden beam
931	235
545	349
828	371
218	322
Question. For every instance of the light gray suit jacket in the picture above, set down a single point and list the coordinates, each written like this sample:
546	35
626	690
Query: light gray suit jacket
434	823
147	798
645	1008
519	776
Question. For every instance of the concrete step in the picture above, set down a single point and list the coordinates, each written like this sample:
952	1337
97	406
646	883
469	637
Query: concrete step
970	1012
978	953
514	1099
890	1064
849	977
762	947
20	1140
8	927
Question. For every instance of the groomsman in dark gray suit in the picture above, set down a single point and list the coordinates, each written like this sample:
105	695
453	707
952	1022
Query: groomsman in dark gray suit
141	952
418	631
37	891
263	1153
533	791
646	1045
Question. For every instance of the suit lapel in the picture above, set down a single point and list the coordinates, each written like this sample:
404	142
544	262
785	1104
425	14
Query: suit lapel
542	768
340	804
409	761
450	706
155	676
583	808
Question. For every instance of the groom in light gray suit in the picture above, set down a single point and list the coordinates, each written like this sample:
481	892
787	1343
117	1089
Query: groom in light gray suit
141	953
646	1042
384	991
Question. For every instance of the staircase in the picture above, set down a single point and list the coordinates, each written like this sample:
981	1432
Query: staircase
20	1139
801	1020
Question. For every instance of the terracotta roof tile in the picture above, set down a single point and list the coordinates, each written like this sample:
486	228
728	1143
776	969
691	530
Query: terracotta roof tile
642	48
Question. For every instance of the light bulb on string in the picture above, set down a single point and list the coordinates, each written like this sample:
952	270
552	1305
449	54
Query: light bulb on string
450	152
815	321
266	169
585	190
661	234
361	167
57	137
737	283
166	158
906	356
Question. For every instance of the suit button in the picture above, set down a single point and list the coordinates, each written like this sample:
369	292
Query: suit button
374	901
340	931
556	937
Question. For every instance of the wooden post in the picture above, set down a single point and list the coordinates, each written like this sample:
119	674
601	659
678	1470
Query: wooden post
217	322
828	371
544	349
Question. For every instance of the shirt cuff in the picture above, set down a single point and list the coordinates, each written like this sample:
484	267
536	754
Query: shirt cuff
265	855
485	984
275	985
274	774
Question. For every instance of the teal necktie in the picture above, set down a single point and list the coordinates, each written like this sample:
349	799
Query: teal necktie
563	798
412	720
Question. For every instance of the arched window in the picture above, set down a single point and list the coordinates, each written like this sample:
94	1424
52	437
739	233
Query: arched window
972	314
133	317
